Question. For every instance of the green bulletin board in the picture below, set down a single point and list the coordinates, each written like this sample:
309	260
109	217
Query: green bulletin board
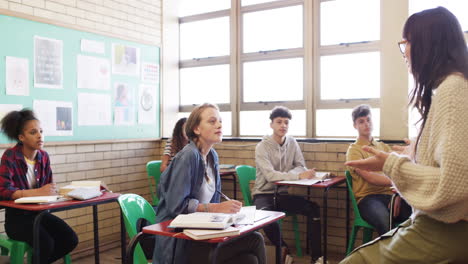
18	38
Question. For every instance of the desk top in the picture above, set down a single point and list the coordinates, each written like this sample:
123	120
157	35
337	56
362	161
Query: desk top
227	172
105	197
163	230
324	184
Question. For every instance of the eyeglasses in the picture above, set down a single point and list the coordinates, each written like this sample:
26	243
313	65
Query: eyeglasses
402	46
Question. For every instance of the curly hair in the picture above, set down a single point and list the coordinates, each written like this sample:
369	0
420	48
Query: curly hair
13	123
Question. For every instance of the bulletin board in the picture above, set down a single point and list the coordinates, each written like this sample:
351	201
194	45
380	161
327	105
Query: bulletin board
82	86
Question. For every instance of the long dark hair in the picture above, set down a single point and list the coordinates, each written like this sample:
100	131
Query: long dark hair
13	123
438	49
179	140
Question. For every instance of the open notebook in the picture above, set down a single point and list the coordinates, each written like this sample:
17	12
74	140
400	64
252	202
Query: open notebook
42	199
214	220
320	176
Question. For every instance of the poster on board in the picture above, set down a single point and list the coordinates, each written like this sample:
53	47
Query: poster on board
17	76
93	73
146	104
56	117
123	104
48	63
125	60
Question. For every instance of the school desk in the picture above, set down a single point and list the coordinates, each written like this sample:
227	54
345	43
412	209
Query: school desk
230	173
68	205
162	229
325	186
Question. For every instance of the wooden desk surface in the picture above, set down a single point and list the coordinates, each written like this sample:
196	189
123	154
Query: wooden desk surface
163	230
324	184
48	206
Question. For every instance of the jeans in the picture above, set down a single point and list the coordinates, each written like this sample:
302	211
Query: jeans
296	205
249	249
374	209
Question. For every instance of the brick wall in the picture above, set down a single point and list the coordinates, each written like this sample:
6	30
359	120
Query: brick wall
138	20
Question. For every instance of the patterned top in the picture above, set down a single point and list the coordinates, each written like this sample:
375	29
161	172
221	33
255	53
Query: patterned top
13	170
168	149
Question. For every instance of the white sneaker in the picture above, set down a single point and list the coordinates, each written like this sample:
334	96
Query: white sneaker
289	259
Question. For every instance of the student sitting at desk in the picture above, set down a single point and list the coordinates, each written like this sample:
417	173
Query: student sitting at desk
175	144
190	184
371	188
278	157
25	171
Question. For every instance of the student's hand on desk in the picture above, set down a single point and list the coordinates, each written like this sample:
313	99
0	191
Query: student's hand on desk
374	163
48	189
228	207
308	174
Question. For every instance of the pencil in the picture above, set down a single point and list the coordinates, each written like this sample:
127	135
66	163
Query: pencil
223	195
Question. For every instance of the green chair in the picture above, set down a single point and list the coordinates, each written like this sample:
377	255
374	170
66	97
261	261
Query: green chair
154	173
246	174
358	221
133	208
17	249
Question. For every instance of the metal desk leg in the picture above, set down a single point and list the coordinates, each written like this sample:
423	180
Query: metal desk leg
96	234
347	219
234	178
36	240
131	248
123	238
325	223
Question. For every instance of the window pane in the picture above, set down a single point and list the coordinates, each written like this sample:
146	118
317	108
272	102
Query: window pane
191	7
339	123
204	84
264	30
225	116
205	38
458	7
350	76
253	2
257	123
345	21
268	80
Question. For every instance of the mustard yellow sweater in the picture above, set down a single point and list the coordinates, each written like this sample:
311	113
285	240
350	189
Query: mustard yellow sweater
437	183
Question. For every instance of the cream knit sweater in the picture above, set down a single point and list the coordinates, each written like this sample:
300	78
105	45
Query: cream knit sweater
437	184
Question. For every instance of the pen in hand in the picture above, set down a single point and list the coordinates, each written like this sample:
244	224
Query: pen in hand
223	195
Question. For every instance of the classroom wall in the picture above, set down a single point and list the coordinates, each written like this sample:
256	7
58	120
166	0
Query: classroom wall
119	164
139	20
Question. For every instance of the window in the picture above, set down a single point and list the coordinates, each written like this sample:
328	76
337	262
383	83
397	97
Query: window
349	65
318	58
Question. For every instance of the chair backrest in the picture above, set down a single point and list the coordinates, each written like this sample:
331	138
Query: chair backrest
349	184
133	208
153	169
246	173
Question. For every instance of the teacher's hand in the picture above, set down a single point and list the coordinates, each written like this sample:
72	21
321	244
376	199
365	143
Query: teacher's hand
374	163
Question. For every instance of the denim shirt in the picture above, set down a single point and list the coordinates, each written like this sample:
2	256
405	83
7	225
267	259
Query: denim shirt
179	184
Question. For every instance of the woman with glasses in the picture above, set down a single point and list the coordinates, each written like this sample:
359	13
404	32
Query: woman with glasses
434	180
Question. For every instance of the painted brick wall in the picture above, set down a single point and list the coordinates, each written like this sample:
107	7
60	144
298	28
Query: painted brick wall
139	20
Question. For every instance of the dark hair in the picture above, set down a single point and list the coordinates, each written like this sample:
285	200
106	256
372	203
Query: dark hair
195	118
280	111
360	111
438	49
178	138
13	123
